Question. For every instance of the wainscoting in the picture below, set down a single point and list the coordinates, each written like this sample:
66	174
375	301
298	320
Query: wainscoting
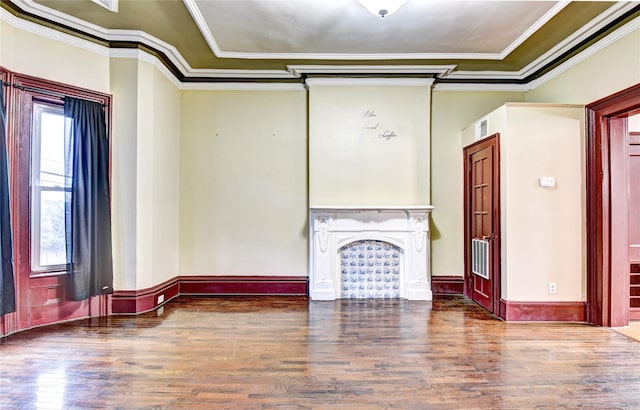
543	311
134	302
447	285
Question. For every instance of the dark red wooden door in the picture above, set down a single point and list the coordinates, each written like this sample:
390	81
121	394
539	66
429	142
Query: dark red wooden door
482	220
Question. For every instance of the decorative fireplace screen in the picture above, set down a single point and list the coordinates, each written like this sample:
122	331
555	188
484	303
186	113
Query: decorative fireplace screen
370	269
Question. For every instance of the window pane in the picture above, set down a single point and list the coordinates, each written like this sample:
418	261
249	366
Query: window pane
52	231
51	149
48	249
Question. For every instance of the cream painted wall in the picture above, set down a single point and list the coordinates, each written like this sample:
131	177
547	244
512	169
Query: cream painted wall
124	134
451	111
79	67
542	228
606	72
158	156
349	162
7	34
243	183
145	174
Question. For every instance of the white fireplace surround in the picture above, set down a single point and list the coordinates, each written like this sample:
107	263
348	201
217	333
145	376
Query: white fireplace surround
331	228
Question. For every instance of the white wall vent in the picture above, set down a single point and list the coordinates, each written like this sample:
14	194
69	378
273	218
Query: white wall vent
482	128
480	257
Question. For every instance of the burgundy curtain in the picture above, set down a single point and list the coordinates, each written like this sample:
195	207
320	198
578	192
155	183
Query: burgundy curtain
88	214
7	286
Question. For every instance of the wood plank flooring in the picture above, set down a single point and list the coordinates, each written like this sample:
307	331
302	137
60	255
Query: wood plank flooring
290	353
633	330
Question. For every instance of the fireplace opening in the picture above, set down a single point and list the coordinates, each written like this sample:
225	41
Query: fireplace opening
370	269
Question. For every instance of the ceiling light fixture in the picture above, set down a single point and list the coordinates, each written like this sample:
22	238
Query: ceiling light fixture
382	8
108	4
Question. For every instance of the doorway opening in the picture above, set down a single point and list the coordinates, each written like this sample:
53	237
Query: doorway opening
612	192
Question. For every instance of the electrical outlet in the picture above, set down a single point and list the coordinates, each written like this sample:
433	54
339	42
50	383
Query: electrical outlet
553	288
160	299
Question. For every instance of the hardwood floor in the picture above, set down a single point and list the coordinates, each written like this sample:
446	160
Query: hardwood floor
290	353
633	330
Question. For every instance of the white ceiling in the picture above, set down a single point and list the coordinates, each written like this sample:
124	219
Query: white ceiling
344	29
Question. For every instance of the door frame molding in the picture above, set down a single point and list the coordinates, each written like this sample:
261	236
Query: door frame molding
494	140
607	280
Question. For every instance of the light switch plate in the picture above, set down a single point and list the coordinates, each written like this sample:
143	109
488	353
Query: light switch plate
546	182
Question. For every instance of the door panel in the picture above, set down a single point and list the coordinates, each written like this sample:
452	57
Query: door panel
634	226
482	219
482	162
634	200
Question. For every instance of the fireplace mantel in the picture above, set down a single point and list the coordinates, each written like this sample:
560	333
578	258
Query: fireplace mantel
333	227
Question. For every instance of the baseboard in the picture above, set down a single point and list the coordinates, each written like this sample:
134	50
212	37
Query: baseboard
134	302
447	285
543	311
125	302
244	285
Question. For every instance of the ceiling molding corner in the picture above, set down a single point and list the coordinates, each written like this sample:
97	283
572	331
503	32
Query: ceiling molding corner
50	33
535	27
605	18
194	10
616	35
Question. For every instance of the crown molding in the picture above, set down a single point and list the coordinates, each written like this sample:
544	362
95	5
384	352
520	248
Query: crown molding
230	86
623	31
174	56
233	73
481	87
202	77
347	81
52	34
194	10
534	27
581	35
359	56
133	36
438	70
140	55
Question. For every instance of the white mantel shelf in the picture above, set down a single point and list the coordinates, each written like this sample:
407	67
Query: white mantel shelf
332	227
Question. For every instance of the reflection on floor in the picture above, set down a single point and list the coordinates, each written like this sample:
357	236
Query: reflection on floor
633	330
292	353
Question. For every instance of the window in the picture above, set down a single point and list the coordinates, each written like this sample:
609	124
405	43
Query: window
47	205
39	192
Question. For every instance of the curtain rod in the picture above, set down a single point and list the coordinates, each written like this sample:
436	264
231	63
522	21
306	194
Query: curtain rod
38	90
